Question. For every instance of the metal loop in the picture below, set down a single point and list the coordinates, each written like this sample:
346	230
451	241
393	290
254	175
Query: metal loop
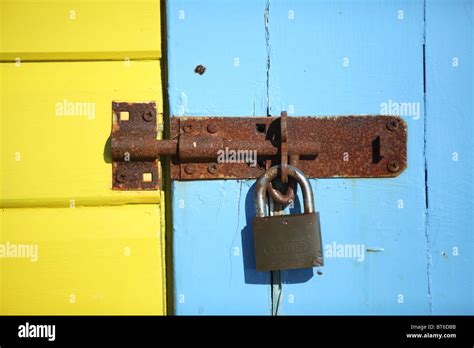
264	181
287	197
290	193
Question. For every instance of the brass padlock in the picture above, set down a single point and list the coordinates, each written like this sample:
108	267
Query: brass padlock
286	241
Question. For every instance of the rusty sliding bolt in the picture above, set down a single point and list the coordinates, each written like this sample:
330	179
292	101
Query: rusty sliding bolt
189	148
224	147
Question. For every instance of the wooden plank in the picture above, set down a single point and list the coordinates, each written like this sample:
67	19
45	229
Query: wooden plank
94	260
79	30
97	252
214	269
449	144
56	121
333	58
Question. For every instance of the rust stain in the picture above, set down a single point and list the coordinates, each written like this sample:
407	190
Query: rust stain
200	69
342	146
322	147
128	138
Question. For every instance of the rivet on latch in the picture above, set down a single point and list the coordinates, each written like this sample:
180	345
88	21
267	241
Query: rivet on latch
212	128
187	128
393	166
189	168
212	168
121	178
147	116
392	125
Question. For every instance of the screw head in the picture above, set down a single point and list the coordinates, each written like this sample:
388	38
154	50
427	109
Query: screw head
393	166
212	128
148	116
200	69
212	168
392	125
189	168
187	128
121	178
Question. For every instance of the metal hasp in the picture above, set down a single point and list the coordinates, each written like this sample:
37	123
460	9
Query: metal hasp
203	148
133	127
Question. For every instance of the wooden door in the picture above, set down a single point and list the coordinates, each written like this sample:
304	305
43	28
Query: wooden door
392	246
70	244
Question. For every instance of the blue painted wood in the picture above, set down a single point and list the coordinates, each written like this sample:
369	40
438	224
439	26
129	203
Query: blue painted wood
329	58
357	57
449	151
214	268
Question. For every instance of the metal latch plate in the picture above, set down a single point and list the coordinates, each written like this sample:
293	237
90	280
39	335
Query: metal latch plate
134	121
347	146
338	146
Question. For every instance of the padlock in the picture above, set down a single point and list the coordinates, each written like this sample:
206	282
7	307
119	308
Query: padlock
286	241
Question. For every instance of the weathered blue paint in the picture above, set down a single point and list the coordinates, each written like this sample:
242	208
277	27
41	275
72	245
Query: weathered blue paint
213	262
449	151
350	57
329	58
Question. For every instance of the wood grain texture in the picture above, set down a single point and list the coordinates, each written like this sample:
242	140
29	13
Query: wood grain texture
392	246
357	57
79	30
213	267
56	123
94	260
99	251
449	156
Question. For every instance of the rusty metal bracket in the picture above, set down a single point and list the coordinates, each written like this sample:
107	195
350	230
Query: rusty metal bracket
344	146
238	147
133	127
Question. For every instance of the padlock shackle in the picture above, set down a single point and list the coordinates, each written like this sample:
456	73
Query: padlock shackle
269	175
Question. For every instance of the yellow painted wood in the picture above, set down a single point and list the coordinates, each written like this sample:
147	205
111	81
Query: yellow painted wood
79	29
94	260
99	251
2	84
53	155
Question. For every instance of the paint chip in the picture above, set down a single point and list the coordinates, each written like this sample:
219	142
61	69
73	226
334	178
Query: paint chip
124	115
147	177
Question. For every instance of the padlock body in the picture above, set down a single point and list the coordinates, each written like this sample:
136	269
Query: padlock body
287	242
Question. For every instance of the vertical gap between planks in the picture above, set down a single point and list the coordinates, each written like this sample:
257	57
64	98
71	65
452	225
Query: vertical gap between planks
275	276
427	235
267	42
165	163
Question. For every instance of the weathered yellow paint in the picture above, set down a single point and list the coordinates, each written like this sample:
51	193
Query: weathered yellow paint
95	260
50	158
79	29
99	251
